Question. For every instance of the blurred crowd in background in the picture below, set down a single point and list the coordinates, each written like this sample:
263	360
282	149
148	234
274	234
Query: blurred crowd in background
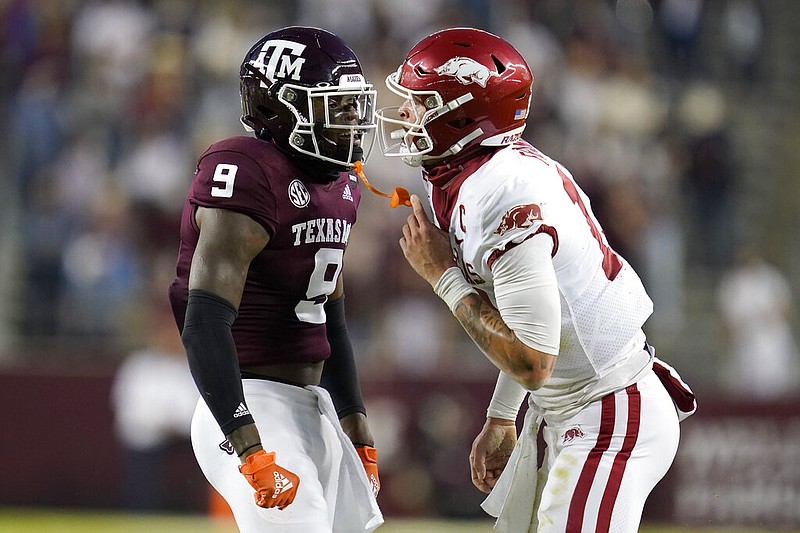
108	103
652	105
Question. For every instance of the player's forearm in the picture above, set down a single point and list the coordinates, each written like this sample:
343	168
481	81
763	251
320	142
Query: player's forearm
499	343
339	374
211	353
245	440
357	430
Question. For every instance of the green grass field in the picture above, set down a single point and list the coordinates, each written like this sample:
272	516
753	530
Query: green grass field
68	521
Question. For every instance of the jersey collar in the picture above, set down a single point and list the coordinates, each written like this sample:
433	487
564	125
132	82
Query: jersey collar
447	181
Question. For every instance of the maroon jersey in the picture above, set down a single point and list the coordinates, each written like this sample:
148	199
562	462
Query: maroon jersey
281	317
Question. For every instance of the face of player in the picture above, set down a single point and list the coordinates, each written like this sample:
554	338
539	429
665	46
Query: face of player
402	128
346	110
412	110
412	113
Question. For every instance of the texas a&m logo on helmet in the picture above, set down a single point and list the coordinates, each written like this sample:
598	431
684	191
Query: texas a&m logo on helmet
283	59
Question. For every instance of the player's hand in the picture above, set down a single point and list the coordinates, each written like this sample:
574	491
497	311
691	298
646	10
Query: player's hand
426	248
490	452
369	458
274	485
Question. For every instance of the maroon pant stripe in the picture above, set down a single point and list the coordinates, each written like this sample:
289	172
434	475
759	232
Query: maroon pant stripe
581	495
621	459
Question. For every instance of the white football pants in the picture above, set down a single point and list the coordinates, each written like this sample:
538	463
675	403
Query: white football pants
600	466
300	425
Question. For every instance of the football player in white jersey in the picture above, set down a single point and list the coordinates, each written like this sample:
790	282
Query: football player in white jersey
515	251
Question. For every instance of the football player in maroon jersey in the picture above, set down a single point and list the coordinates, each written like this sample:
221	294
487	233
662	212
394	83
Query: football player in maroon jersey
259	300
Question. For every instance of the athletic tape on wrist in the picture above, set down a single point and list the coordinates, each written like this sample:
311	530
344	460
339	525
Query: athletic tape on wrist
498	409
452	287
506	399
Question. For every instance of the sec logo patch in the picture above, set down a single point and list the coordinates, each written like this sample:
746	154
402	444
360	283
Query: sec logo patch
298	194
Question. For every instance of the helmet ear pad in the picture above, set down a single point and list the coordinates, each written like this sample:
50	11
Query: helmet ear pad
460	123
263	113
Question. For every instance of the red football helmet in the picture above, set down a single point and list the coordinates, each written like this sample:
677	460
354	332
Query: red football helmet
464	88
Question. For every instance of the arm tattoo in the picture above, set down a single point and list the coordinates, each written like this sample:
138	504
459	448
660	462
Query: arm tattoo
496	340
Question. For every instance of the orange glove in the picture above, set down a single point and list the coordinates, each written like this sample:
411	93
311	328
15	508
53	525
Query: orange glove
369	458
274	485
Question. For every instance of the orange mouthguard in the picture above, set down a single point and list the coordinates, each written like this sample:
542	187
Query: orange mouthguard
399	196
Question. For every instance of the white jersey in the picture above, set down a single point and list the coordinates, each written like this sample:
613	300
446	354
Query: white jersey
503	200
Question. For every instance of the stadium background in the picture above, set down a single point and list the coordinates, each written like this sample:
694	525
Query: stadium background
679	118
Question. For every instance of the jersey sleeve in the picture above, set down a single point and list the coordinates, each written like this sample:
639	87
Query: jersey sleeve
526	291
228	179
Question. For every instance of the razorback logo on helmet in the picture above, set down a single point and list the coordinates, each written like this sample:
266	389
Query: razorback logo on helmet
520	216
284	60
465	70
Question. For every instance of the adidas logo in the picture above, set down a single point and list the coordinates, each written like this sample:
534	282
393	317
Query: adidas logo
240	411
282	484
347	195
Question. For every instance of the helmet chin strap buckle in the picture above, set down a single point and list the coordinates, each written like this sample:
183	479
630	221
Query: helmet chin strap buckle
399	196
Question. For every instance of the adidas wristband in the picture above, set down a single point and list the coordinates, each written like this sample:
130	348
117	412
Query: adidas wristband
452	287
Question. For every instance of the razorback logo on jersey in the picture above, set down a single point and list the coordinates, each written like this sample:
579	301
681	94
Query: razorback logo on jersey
520	216
465	70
